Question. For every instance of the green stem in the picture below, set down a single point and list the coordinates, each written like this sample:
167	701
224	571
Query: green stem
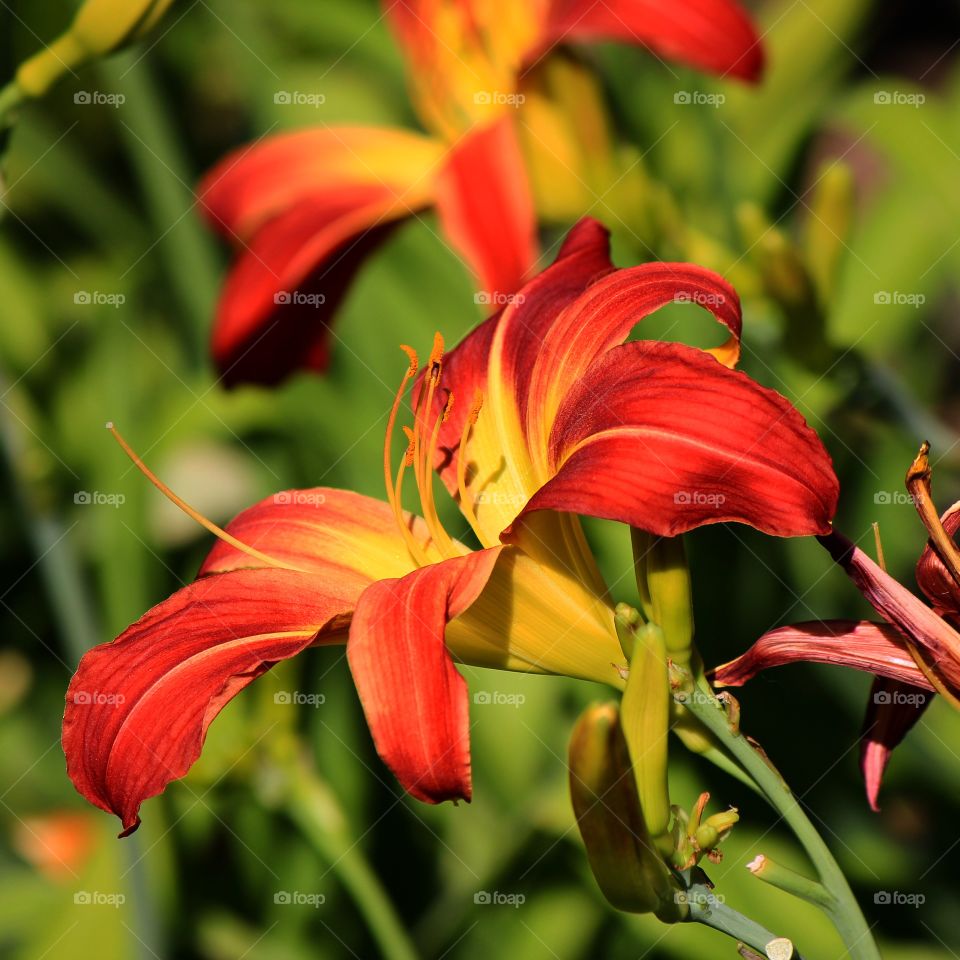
315	810
708	909
68	593
843	909
11	96
186	248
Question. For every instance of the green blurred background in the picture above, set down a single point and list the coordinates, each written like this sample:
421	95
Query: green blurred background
100	201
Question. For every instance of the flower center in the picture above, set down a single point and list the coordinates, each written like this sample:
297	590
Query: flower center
422	440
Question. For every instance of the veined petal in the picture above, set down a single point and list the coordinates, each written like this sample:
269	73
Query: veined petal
305	210
501	476
893	709
538	619
601	318
275	310
257	182
876	648
665	438
486	208
933	577
932	637
714	35
340	534
138	709
414	698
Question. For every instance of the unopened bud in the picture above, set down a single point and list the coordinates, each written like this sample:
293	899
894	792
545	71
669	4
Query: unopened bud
624	861
100	27
646	725
663	579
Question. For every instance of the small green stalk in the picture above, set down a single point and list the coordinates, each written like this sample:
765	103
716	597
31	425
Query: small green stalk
783	878
710	910
842	908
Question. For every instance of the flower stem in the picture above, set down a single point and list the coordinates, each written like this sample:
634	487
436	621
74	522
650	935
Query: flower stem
11	96
708	909
841	907
314	808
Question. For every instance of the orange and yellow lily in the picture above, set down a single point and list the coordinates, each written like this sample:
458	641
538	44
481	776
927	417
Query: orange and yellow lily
304	209
541	413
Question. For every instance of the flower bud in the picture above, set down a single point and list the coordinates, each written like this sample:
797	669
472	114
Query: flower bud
828	226
100	27
646	726
627	867
663	579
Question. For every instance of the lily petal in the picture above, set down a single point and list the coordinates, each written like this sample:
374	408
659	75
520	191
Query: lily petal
414	698
338	533
501	476
306	210
876	648
665	438
256	183
893	709
932	637
138	709
714	35
486	208
933	577
602	317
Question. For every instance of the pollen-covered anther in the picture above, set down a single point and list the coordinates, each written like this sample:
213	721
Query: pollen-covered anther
436	359
411	445
414	359
476	407
447	408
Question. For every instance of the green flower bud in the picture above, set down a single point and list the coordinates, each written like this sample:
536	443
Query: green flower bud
663	579
624	861
645	709
100	27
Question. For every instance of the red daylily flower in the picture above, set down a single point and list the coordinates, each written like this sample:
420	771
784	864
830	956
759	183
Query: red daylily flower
658	435
305	208
913	655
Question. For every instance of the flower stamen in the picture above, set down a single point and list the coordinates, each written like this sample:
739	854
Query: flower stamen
192	512
466	499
